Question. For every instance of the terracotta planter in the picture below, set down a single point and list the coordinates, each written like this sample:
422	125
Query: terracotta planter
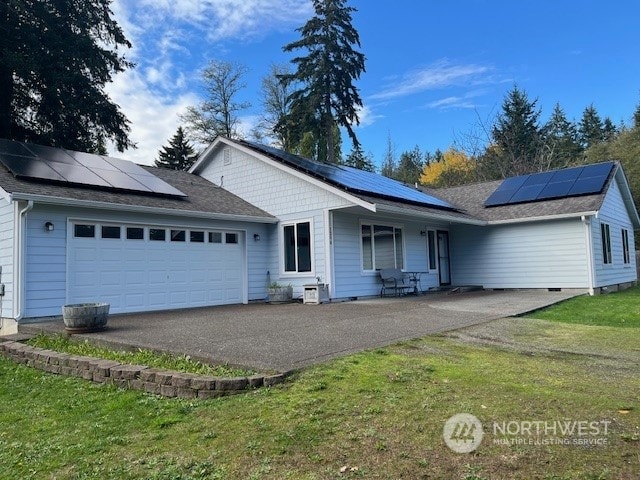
85	317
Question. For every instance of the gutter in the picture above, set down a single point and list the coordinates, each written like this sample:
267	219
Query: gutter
542	218
16	196
18	260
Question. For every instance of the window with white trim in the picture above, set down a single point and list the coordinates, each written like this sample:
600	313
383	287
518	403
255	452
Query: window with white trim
431	244
297	247
606	243
625	246
381	247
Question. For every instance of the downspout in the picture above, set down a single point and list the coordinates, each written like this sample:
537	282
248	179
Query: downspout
328	248
590	266
18	262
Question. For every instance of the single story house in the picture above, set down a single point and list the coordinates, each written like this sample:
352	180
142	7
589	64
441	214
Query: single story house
78	228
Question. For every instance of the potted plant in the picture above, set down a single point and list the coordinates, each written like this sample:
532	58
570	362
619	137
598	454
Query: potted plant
279	293
85	317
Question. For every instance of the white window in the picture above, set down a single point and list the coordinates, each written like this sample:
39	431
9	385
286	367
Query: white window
431	243
606	243
625	246
297	247
381	247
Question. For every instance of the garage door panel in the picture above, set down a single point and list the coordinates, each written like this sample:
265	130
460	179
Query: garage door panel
137	275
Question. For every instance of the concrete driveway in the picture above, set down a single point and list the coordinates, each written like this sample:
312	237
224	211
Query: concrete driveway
287	337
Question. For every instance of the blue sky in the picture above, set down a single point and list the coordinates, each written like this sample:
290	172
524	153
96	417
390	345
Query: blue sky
435	70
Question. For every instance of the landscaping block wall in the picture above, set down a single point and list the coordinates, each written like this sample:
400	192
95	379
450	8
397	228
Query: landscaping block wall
136	377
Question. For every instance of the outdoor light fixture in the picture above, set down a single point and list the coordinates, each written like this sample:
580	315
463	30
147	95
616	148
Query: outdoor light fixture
48	227
256	237
423	233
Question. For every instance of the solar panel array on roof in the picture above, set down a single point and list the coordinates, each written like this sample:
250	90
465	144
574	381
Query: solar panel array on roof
353	179
570	182
64	166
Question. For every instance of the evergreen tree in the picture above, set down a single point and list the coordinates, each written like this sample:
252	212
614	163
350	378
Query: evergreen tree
389	161
218	113
561	137
358	159
55	58
178	155
409	166
516	136
590	128
327	97
609	130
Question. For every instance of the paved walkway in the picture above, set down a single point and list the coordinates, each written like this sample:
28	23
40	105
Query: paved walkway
288	337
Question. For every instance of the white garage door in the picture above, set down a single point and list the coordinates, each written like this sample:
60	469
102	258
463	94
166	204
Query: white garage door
140	268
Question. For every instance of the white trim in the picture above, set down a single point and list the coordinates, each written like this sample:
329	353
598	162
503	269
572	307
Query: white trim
561	216
45	199
19	259
627	198
372	223
327	216
281	245
591	273
285	168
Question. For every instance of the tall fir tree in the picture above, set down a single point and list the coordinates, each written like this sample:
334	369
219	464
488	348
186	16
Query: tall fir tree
358	159
410	166
561	138
590	128
327	97
178	155
56	56
516	138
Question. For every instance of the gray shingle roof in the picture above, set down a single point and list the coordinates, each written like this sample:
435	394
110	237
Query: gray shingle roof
471	198
202	195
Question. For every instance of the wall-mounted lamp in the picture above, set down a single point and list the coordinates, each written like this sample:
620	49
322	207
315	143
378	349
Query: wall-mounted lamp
48	227
256	237
423	233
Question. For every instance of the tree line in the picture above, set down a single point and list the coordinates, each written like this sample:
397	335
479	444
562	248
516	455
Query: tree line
57	55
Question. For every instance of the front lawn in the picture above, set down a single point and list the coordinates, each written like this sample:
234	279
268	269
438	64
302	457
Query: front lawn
377	414
620	309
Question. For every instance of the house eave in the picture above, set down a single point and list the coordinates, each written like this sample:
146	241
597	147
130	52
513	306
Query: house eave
542	218
71	202
428	216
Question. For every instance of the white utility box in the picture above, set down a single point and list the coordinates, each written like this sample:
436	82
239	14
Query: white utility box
316	293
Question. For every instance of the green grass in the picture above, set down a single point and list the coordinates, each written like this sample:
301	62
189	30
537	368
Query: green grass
620	309
180	363
377	414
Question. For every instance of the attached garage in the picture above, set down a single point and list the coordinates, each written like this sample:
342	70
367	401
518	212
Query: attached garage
154	267
79	228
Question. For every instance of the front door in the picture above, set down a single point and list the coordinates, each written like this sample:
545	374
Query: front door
444	267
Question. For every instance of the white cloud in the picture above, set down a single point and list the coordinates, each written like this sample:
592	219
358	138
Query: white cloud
221	19
154	119
464	101
441	74
367	116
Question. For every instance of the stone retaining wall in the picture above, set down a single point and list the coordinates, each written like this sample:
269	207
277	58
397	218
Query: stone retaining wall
137	377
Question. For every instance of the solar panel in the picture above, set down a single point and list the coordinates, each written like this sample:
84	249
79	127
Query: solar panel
14	148
584	180
77	168
30	167
527	193
555	190
353	179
